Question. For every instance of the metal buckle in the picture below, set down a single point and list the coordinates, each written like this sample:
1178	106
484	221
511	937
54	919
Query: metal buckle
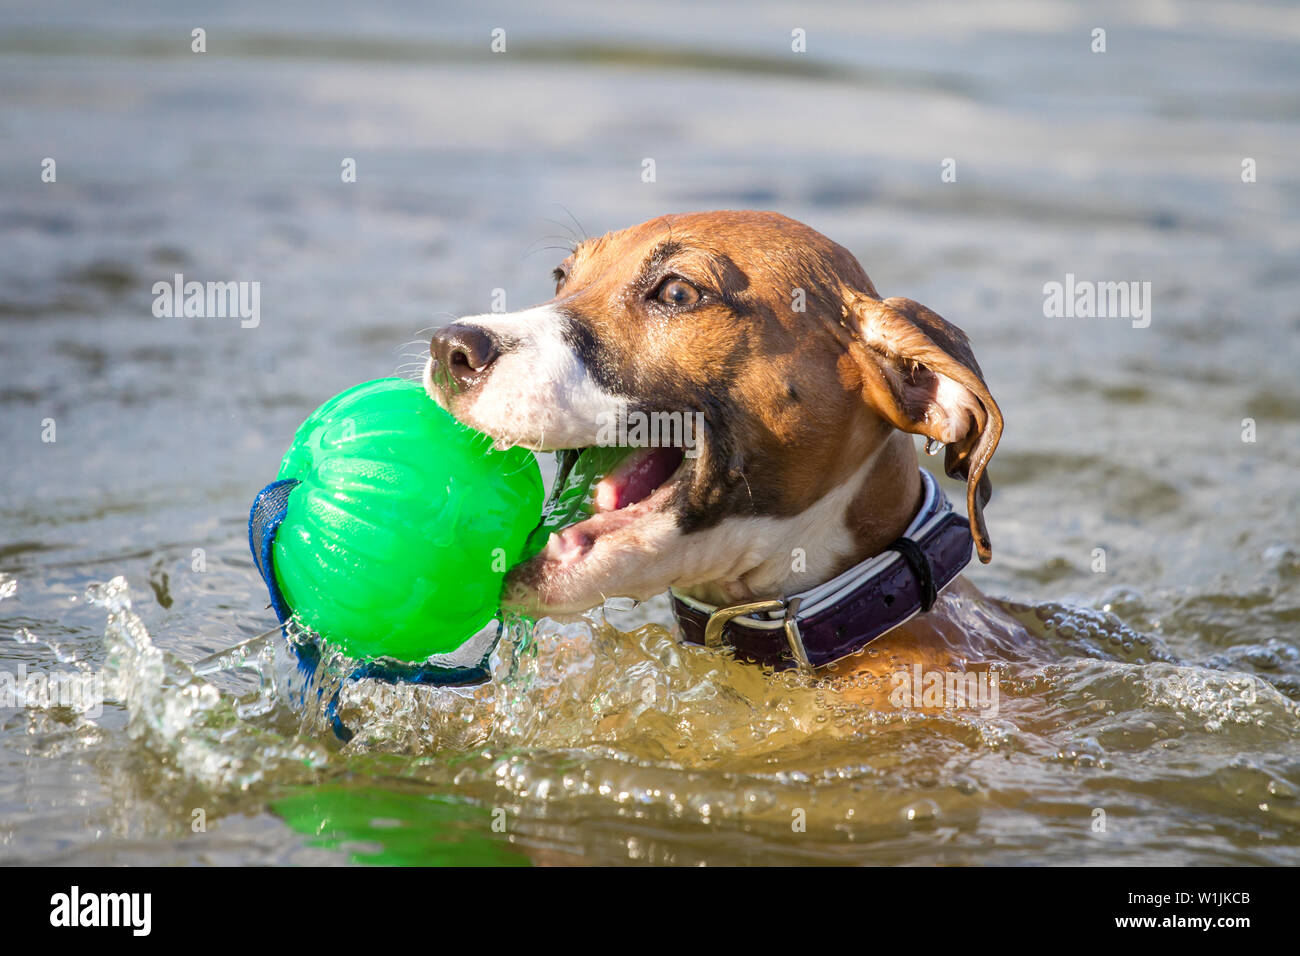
720	618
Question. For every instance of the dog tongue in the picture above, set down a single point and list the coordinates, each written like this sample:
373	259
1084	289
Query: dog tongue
636	477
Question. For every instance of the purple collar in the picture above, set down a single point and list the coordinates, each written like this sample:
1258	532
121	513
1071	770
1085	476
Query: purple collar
844	615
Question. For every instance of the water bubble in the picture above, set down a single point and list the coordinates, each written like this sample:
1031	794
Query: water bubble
1281	789
921	811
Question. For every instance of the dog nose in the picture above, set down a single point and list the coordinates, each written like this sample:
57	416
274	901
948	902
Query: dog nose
464	352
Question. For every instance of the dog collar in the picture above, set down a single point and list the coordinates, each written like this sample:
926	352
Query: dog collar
833	620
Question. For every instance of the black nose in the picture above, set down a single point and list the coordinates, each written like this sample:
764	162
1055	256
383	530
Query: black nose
463	354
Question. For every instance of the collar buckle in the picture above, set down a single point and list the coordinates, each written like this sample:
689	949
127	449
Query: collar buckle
719	619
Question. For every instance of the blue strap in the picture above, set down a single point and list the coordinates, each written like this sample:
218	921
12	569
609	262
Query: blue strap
264	519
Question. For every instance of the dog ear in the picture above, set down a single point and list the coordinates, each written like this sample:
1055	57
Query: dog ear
919	372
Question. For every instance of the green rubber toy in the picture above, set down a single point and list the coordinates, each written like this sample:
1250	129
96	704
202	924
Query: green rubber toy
577	472
396	541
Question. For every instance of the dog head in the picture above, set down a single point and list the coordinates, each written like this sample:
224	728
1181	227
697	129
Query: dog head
794	383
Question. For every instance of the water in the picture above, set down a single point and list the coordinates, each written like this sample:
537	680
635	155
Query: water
1164	692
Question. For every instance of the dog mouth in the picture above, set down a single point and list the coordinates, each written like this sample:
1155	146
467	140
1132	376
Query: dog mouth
609	505
633	483
599	492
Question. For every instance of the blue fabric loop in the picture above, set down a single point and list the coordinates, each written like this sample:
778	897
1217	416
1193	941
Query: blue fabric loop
264	519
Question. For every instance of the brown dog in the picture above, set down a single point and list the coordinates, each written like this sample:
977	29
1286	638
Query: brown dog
808	387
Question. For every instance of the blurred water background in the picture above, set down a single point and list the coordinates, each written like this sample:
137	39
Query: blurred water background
1173	703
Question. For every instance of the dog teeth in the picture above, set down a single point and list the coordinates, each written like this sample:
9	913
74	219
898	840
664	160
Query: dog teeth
567	546
563	546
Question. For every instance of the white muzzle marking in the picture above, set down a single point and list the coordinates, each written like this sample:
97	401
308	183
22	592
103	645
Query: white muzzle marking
538	393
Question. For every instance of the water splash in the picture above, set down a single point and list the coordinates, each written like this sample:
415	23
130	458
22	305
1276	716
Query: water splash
183	719
588	735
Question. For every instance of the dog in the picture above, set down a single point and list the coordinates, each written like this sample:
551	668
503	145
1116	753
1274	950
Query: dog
804	476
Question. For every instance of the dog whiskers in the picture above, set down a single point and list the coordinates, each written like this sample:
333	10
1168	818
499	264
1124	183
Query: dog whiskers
581	229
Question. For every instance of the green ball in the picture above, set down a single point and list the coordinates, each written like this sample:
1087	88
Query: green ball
396	542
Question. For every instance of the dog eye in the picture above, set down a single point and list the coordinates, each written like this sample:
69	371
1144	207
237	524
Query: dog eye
679	293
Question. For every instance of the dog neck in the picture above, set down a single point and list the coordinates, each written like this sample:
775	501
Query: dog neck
852	522
888	498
